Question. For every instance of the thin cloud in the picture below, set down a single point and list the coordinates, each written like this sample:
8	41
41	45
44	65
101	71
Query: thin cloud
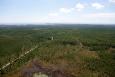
98	15
60	11
97	5
61	14
80	6
66	10
113	1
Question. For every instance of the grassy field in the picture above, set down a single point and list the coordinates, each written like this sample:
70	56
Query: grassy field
80	51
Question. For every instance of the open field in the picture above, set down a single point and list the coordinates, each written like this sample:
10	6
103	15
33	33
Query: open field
77	51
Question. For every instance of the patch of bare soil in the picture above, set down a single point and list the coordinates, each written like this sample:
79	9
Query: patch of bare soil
34	68
87	53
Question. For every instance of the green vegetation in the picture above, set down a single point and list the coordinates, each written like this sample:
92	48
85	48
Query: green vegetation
83	52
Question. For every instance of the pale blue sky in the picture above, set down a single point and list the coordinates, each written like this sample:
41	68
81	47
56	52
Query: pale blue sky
57	11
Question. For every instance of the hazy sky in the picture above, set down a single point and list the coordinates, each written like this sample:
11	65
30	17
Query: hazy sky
57	11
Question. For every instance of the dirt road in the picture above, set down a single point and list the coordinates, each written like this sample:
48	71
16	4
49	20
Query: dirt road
22	55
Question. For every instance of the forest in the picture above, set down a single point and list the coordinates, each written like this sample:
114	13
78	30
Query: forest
77	50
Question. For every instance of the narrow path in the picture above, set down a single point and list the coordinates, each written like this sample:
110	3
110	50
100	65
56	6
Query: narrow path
22	55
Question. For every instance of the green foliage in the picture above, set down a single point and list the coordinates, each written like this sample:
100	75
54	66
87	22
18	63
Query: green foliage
105	65
65	47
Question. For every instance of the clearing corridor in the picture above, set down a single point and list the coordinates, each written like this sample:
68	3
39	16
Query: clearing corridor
22	55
